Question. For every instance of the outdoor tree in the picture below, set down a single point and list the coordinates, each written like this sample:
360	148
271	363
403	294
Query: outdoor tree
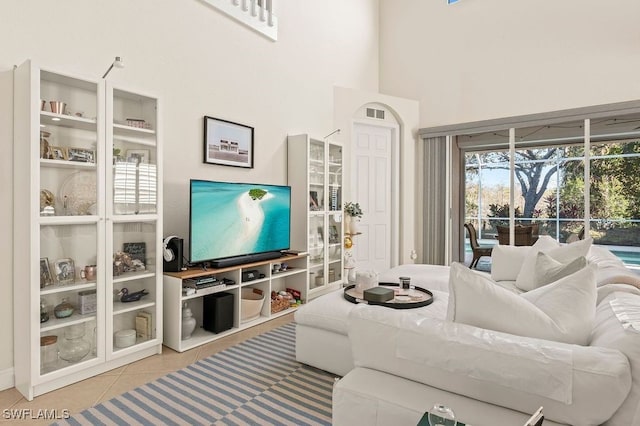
614	185
532	172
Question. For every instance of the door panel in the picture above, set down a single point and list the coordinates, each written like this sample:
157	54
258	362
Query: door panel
372	161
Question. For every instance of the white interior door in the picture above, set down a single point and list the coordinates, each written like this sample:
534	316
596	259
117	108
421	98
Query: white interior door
372	183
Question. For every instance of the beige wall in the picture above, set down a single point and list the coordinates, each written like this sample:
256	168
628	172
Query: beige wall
482	59
198	62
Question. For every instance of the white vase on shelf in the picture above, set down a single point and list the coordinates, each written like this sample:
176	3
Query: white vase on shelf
188	322
354	226
347	224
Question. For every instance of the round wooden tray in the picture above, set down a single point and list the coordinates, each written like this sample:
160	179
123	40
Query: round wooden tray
415	297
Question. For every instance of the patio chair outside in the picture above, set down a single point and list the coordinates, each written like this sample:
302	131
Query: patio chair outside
478	250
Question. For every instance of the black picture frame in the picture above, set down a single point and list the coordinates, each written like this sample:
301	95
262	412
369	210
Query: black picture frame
227	143
136	251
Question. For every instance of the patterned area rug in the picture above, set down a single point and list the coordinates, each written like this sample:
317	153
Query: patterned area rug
257	382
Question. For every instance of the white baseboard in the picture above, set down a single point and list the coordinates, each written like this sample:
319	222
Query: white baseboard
7	379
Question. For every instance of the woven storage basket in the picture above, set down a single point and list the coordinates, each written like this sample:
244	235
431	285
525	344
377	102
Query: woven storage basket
278	305
251	304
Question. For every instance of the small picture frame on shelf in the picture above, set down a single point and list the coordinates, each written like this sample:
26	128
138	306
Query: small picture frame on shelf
313	201
58	152
46	278
65	271
138	156
81	155
137	251
227	143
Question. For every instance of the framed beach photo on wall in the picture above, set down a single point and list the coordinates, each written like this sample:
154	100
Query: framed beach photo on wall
227	143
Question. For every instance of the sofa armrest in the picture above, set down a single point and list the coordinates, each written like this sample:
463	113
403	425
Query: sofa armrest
510	371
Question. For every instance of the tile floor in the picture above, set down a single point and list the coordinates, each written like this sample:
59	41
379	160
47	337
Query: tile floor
92	391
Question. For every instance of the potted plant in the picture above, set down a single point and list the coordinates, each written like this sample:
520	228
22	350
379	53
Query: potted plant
353	212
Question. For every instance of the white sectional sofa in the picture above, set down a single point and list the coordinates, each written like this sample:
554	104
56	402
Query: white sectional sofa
397	363
322	326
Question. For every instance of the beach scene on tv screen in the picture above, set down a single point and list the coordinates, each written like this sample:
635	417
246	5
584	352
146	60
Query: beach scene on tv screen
233	219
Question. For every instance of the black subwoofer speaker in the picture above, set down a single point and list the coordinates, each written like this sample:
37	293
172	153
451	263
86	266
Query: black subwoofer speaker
175	265
217	312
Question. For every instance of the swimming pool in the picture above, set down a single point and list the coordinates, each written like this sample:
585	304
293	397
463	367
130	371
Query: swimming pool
628	257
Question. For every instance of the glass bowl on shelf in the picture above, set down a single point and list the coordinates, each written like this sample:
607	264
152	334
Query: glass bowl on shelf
73	346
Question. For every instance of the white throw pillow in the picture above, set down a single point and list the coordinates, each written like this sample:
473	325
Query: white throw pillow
563	254
506	261
549	270
562	311
603	258
545	242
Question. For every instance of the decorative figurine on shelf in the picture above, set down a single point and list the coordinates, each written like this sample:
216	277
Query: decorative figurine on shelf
188	322
123	262
47	201
125	296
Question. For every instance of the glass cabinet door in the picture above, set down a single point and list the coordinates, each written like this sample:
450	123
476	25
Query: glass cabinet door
69	146
134	288
334	248
317	175
135	228
134	154
69	301
316	250
335	178
70	236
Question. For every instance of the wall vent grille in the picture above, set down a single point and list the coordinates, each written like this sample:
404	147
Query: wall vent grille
375	113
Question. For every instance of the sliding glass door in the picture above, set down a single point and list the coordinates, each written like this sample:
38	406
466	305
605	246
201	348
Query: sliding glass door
546	194
614	185
569	180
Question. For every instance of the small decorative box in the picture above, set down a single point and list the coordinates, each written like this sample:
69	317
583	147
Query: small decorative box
87	301
378	294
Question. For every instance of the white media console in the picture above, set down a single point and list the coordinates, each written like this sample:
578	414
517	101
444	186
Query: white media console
294	277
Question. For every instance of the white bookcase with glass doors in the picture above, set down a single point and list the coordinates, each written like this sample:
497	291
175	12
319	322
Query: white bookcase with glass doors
88	224
315	176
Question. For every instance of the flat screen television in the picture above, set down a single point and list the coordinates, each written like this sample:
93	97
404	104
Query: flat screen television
232	223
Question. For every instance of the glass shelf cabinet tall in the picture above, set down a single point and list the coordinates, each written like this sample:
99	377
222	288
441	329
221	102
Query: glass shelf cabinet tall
87	228
315	177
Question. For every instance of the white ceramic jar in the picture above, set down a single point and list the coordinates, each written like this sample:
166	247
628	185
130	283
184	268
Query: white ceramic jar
125	338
